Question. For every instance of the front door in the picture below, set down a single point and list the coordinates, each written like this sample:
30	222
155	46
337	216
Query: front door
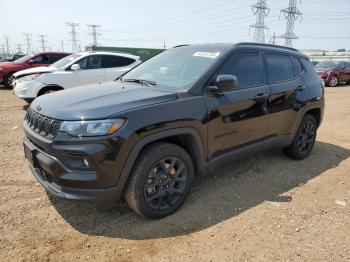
238	119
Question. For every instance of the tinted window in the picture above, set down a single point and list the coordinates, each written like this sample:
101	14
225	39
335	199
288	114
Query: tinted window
41	59
56	57
246	67
115	61
298	69
347	65
90	62
278	67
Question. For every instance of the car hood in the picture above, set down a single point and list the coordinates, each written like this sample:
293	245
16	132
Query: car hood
99	101
35	70
12	65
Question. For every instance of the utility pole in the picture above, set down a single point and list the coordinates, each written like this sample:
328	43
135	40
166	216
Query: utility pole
273	38
291	14
74	34
28	42
164	46
43	42
62	46
94	33
260	10
19	48
7	45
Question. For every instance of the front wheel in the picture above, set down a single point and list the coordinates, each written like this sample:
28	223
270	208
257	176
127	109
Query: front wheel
160	180
8	80
304	139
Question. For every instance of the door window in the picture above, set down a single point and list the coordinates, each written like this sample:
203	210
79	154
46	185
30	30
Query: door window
90	62
246	67
109	61
56	57
298	69
41	59
278	67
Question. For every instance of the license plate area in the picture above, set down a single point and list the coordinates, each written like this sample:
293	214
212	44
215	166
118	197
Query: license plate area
29	154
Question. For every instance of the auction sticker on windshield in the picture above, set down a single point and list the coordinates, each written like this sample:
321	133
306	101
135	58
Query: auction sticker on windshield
207	54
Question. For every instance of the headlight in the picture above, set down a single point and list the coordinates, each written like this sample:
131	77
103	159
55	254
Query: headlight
92	128
28	78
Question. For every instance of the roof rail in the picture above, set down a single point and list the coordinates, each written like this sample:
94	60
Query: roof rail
180	45
268	45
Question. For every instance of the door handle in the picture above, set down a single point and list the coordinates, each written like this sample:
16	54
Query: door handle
261	97
300	88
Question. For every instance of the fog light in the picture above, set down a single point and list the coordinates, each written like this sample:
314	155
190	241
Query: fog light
86	163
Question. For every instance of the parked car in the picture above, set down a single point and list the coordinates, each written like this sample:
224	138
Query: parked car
75	70
315	62
181	113
7	69
333	72
11	58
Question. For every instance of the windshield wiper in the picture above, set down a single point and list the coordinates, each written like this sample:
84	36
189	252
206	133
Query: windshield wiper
140	81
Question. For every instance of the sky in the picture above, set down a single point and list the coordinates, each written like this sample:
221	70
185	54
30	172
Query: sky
325	24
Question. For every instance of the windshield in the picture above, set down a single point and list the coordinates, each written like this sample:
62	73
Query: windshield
327	64
65	61
175	69
23	59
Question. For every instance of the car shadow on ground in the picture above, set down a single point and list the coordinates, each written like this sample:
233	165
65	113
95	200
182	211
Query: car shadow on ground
228	191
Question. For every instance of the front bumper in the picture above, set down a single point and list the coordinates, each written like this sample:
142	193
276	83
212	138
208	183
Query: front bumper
27	89
44	168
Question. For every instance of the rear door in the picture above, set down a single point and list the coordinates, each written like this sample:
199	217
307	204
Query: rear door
115	66
288	93
238	118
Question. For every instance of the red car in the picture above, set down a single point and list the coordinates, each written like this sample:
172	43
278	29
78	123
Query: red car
7	69
333	72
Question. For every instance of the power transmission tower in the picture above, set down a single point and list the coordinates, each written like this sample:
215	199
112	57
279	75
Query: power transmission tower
291	14
3	49
19	48
94	33
7	45
260	10
74	34
28	42
43	42
62	46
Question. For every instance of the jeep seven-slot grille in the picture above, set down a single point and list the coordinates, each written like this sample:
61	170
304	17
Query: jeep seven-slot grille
43	125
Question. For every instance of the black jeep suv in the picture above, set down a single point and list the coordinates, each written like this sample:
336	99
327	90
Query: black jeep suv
146	135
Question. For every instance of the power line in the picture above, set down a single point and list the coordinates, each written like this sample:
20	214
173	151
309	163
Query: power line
260	10
74	34
291	14
94	33
28	42
43	42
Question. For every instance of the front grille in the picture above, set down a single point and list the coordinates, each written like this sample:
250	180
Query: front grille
42	125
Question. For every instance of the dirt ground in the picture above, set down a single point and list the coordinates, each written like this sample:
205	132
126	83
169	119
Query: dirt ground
263	208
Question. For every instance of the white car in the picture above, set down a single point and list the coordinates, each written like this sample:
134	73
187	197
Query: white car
78	69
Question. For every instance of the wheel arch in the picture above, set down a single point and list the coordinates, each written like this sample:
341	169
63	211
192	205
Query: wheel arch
316	113
49	87
187	137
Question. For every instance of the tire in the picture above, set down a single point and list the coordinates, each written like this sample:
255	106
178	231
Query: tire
7	82
304	139
160	181
333	82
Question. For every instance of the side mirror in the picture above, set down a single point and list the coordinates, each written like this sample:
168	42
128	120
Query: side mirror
75	67
223	83
31	61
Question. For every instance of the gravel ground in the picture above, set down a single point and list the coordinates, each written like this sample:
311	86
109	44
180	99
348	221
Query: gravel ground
263	208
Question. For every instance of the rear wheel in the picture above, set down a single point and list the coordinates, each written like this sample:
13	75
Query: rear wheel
333	81
304	139
160	181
